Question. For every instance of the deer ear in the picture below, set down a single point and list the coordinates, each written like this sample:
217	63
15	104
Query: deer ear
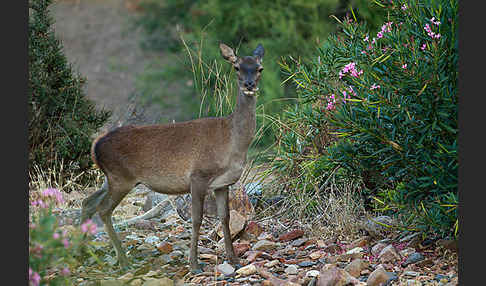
259	51
227	53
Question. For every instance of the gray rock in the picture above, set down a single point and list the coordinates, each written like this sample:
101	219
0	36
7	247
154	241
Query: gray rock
225	268
307	263
264	245
152	239
413	258
299	242
291	269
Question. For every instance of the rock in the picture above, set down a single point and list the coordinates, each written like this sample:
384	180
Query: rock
241	248
211	257
312	273
236	224
378	277
291	269
247	270
334	276
264	245
316	254
299	242
225	268
413	258
412	282
254	229
409	237
360	242
388	255
406	252
271	263
307	263
355	250
356	266
159	282
291	235
377	248
253	255
378	225
332	248
411	273
448	244
164	247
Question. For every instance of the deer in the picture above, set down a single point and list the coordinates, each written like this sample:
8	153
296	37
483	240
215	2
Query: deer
196	156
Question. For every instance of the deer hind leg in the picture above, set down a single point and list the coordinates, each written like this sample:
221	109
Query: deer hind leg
198	193
224	215
91	203
117	191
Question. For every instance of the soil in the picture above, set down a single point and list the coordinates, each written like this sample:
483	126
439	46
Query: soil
104	47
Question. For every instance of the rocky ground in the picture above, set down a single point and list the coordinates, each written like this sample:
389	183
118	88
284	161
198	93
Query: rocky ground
273	251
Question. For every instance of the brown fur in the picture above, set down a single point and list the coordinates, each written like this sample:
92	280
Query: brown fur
196	156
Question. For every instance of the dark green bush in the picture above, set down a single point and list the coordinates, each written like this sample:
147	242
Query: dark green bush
388	103
61	119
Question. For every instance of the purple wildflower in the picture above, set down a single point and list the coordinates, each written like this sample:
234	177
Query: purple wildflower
374	86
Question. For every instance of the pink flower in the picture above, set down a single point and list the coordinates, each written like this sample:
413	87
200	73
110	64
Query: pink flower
65	242
404	7
65	271
404	66
88	226
55	235
366	39
423	47
379	35
34	277
437	23
374	86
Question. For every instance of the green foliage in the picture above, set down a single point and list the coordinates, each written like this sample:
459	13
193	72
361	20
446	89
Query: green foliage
283	27
53	251
61	119
388	102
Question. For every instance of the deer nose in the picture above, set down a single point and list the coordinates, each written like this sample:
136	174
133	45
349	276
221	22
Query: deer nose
249	84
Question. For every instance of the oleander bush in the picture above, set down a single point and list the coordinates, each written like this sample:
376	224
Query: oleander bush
382	108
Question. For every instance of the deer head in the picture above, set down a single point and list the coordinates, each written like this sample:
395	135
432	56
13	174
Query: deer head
248	69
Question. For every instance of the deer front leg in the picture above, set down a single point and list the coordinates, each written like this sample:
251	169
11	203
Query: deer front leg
198	192
223	213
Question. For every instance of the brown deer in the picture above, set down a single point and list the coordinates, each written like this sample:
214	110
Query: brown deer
197	156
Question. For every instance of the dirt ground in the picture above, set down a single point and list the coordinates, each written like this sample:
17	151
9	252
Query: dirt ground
103	46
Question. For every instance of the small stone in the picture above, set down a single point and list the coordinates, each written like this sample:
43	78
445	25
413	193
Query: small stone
356	266
225	269
332	275
413	258
307	263
253	255
271	263
316	255
377	248
254	229
291	235
291	269
236	224
152	239
377	277
211	257
360	242
388	254
247	270
333	248
411	282
407	251
312	273
241	248
164	247
299	242
355	250
264	245
411	273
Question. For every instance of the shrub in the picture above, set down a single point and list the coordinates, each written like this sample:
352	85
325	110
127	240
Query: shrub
61	119
387	104
52	251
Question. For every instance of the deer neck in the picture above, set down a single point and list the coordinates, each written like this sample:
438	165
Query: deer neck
243	122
